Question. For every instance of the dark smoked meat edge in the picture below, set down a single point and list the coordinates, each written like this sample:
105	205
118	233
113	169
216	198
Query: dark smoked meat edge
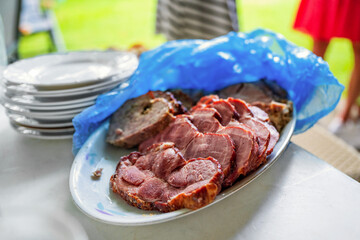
193	200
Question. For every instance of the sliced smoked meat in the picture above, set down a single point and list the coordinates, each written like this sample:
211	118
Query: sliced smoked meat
176	106
139	119
230	91
267	95
204	102
183	184
225	109
259	113
241	107
263	136
161	159
261	91
255	151
206	119
244	142
249	92
185	99
181	132
279	113
184	160
207	99
274	137
245	110
143	117
258	120
218	146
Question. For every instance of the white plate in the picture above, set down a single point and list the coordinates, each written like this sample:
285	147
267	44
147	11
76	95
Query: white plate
46	130
68	70
24	89
67	117
95	198
40	113
38	123
32	101
56	108
50	134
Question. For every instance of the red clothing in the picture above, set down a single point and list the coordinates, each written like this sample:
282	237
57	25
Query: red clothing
325	19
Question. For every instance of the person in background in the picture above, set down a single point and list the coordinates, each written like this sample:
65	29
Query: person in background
196	19
324	20
38	16
32	18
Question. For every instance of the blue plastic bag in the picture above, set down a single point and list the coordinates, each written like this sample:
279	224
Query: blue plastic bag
214	64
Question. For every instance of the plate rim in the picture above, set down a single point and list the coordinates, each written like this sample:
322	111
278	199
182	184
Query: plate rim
38	103
89	89
5	99
289	128
20	110
53	136
87	82
35	123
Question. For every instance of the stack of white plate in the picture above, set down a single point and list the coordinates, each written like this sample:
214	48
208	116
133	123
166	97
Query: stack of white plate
41	95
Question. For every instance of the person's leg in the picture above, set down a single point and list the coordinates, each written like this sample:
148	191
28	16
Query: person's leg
320	47
354	84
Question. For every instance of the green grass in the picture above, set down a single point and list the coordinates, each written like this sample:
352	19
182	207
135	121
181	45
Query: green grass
95	24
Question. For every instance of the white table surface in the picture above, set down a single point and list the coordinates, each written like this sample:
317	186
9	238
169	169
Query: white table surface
299	197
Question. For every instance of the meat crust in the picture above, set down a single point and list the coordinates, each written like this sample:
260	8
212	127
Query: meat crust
140	179
143	117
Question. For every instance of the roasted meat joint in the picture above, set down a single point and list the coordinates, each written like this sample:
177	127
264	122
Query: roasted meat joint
187	153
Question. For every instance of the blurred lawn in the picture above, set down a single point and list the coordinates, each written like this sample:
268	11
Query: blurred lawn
94	24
